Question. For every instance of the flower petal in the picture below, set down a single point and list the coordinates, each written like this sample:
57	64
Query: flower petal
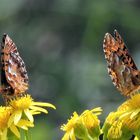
14	129
134	113
4	135
43	104
11	119
39	109
97	109
25	123
33	112
66	136
125	114
17	117
29	115
72	136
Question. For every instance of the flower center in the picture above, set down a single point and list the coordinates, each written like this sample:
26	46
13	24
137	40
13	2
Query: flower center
21	102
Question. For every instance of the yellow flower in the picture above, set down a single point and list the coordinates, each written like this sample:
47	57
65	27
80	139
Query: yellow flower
114	127
91	122
5	113
115	131
90	119
69	127
4	117
112	117
125	121
131	112
111	127
23	110
82	126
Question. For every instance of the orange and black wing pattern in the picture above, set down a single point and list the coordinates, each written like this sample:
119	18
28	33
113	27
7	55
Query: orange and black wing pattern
121	67
14	78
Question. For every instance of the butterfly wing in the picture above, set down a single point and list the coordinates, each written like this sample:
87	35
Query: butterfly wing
5	88
121	67
14	67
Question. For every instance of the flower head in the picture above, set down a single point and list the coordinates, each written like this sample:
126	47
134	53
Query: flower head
89	117
115	131
4	117
5	113
69	127
23	109
126	120
82	126
131	113
19	114
91	122
111	127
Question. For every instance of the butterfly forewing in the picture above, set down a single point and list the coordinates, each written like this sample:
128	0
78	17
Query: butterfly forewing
123	52
121	67
13	67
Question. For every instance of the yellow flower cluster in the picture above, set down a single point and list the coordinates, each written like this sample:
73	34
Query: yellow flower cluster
125	122
85	126
19	115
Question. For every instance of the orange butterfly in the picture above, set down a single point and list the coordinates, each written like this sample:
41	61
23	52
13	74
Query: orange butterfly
14	78
121	67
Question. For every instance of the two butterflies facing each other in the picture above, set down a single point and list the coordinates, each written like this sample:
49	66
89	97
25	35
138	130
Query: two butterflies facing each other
121	67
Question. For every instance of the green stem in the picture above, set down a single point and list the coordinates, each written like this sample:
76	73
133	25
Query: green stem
26	135
88	137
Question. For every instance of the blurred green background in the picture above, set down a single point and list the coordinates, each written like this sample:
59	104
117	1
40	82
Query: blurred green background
60	42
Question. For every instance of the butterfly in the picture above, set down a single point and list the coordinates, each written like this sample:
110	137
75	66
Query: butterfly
14	78
121	67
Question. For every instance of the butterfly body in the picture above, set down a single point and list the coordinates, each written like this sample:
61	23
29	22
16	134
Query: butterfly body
14	78
121	67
